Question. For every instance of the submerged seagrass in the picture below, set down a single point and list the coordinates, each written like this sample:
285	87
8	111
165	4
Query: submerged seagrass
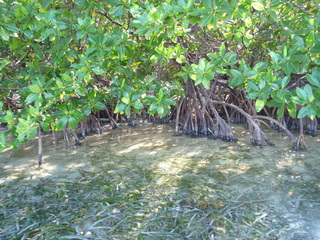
142	183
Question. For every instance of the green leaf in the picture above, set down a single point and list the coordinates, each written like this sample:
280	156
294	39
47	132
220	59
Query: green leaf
137	105
35	88
141	31
303	112
9	117
280	111
273	103
308	91
222	50
235	72
298	40
236	81
3	34
231	58
249	73
274	56
125	100
151	98
198	78
160	94
207	3
120	108
128	89
100	106
314	78
260	104
127	111
58	114
73	123
315	49
98	71
209	76
181	59
11	27
32	133
3	63
86	111
202	65
33	111
297	100
77	115
292	109
45	126
31	97
262	84
62	122
285	81
257	6
253	86
260	66
290	68
206	83
207	19
160	110
135	97
302	94
153	107
66	77
169	101
113	2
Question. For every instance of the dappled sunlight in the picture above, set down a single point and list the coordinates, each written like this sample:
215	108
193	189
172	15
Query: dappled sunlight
143	147
287	162
240	169
173	165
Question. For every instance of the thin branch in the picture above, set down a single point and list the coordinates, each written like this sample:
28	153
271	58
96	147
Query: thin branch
10	88
109	18
301	9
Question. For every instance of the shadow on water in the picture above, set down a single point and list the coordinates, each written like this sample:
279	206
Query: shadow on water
143	183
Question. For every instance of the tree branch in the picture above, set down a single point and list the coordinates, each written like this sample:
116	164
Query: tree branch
109	18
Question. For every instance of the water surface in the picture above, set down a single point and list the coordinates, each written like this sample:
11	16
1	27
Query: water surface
236	191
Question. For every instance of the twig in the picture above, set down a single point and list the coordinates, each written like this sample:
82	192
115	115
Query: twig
109	18
10	88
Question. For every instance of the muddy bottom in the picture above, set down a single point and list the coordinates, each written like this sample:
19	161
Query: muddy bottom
144	183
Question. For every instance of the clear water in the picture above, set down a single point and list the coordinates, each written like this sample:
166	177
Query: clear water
280	185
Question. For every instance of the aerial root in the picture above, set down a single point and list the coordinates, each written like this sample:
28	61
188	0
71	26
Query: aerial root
223	131
301	144
296	143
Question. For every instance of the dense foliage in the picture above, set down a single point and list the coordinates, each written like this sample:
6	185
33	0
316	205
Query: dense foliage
64	60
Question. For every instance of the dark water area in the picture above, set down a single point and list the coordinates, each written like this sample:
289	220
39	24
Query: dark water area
256	193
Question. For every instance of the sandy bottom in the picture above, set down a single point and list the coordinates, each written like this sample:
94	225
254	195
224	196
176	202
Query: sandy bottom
276	174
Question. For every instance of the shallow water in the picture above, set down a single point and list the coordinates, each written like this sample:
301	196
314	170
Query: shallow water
273	187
